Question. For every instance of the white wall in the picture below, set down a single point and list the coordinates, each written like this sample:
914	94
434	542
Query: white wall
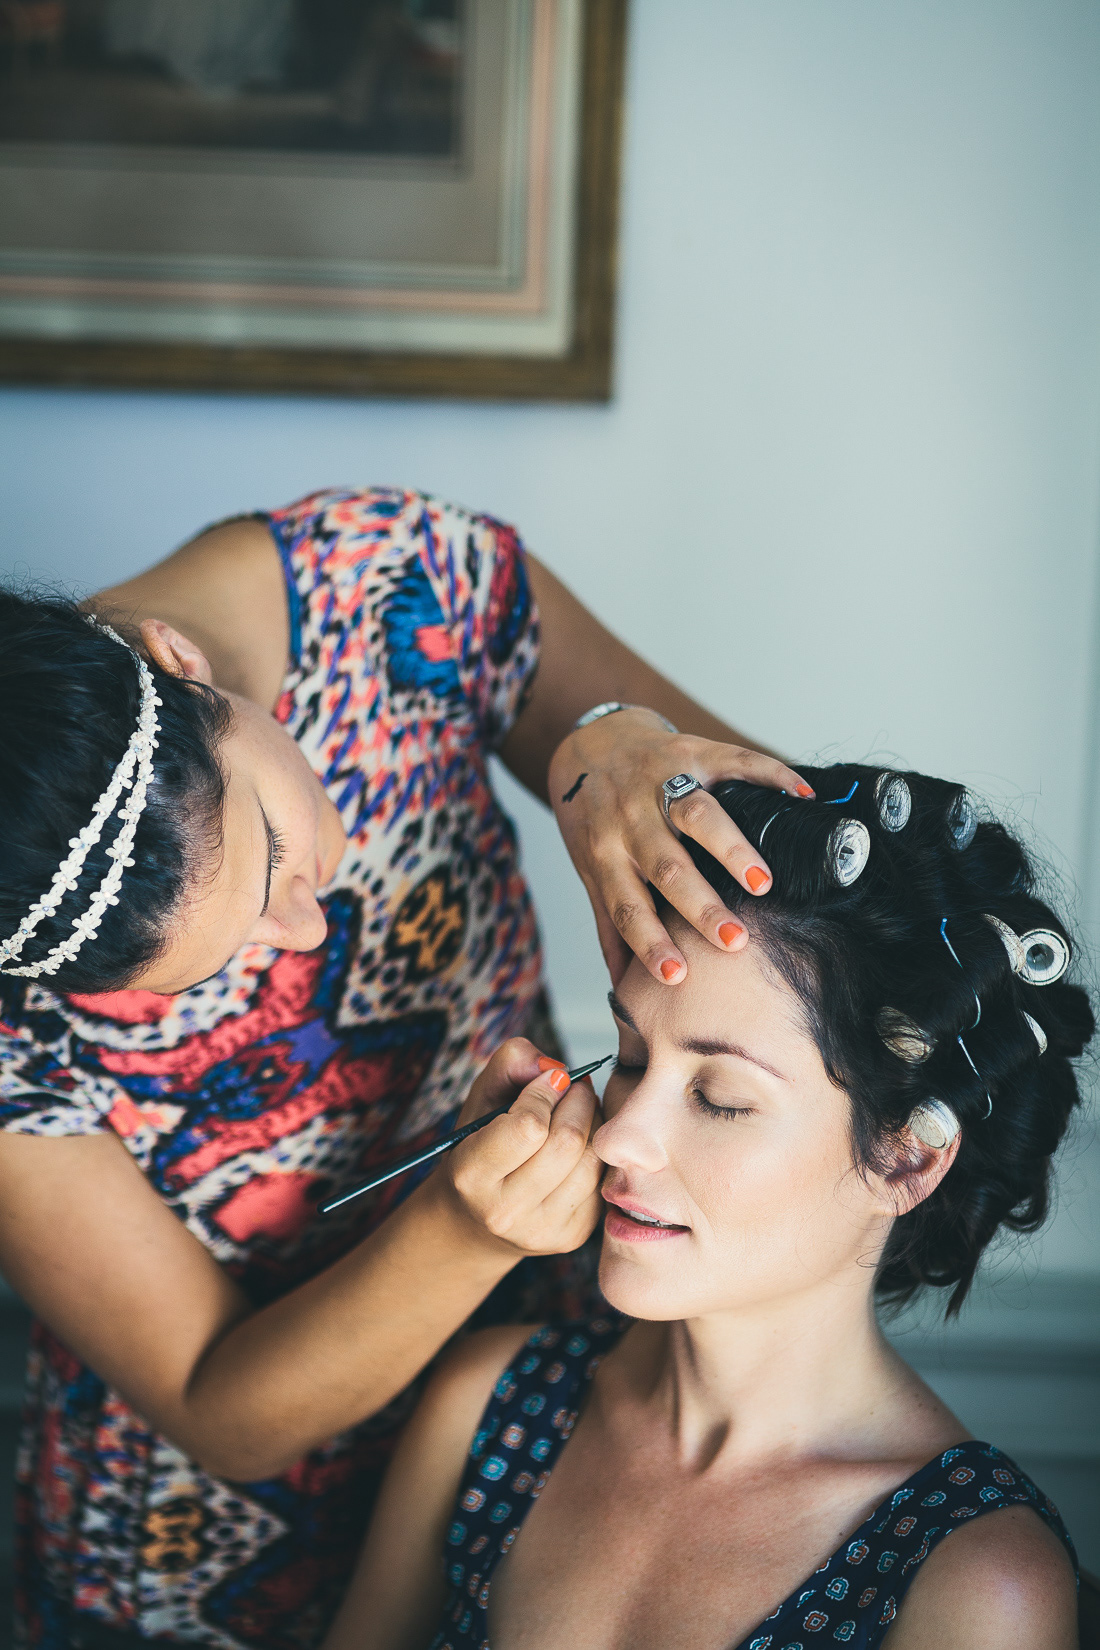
849	489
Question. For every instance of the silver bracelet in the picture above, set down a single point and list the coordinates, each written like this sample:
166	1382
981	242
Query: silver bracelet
610	706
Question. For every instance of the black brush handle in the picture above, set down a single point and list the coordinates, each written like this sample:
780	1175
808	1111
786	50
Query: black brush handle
404	1164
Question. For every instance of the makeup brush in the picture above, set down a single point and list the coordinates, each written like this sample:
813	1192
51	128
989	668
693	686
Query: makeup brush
404	1164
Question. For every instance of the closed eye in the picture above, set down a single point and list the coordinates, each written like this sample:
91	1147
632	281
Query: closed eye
624	1065
712	1110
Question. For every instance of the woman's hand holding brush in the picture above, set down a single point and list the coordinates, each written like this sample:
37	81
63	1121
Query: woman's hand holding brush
529	1179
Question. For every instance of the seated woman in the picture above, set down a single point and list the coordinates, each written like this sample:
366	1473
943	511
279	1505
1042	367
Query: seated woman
847	1110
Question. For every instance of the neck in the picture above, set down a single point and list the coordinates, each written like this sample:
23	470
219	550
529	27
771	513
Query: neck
806	1374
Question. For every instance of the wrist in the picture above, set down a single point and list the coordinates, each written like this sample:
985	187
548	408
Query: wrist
613	707
600	738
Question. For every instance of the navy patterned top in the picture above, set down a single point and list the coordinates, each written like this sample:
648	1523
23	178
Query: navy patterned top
853	1597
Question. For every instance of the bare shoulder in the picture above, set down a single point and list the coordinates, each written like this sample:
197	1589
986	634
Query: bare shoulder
461	1386
433	1448
225	591
1003	1582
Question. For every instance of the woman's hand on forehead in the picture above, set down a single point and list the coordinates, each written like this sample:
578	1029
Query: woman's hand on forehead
604	782
624	845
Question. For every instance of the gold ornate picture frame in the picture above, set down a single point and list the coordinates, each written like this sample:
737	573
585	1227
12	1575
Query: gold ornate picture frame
303	233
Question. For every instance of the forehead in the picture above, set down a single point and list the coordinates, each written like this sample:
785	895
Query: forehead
725	994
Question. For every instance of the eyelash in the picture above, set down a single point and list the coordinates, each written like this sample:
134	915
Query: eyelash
697	1095
277	848
712	1110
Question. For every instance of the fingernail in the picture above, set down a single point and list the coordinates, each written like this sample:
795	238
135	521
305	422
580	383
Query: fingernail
546	1064
729	932
804	790
756	878
559	1081
670	969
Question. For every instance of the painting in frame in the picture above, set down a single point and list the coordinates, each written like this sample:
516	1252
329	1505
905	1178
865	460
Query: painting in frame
407	197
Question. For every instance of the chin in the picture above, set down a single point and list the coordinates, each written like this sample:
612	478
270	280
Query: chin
642	1291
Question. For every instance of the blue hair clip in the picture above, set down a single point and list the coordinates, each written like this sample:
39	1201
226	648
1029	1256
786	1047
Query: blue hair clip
977	1021
838	801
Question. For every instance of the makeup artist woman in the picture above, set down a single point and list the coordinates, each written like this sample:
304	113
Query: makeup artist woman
262	923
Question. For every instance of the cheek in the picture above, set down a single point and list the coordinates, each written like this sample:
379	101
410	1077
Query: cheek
761	1188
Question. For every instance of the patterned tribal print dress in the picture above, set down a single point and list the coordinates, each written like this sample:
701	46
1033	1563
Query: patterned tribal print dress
851	1599
249	1098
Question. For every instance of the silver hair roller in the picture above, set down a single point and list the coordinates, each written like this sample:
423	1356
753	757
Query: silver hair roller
903	1036
894	801
847	852
934	1123
962	820
1039	957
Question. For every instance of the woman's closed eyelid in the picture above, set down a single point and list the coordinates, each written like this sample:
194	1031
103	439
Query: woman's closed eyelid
713	1109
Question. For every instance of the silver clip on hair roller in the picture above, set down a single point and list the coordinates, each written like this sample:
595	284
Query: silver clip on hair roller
895	802
962	820
1039	957
934	1124
903	1036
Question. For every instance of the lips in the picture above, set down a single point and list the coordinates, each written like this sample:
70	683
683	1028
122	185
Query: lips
634	1223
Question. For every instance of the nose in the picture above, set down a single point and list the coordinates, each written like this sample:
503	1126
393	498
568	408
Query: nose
294	921
631	1139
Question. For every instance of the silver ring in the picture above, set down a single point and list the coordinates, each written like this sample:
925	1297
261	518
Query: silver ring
681	784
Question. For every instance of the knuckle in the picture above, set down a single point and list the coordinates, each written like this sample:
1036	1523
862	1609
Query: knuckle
498	1220
532	1128
666	873
571	1138
693	810
626	913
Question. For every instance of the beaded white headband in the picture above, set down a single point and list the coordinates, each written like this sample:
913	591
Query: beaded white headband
133	773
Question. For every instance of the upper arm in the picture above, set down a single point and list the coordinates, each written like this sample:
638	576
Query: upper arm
225	591
1003	1582
111	1270
398	1589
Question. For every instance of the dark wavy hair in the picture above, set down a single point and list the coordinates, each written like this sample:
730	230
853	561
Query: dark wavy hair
850	952
71	697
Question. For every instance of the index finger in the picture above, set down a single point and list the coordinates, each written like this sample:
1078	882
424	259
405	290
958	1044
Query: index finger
510	1141
757	767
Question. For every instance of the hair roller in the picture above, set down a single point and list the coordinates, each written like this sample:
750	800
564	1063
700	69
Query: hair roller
848	850
962	821
934	1123
894	800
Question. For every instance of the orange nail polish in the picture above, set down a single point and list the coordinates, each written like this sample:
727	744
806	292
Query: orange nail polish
803	790
670	969
559	1081
729	932
756	878
546	1064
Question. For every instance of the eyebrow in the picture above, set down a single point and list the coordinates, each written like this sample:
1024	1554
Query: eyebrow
698	1045
270	860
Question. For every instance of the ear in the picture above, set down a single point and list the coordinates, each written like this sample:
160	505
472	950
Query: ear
917	1171
174	653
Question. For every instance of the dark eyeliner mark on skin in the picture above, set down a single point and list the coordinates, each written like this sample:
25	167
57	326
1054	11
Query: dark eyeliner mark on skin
571	793
270	862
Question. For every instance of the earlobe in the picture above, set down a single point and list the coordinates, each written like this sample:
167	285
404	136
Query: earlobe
173	652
